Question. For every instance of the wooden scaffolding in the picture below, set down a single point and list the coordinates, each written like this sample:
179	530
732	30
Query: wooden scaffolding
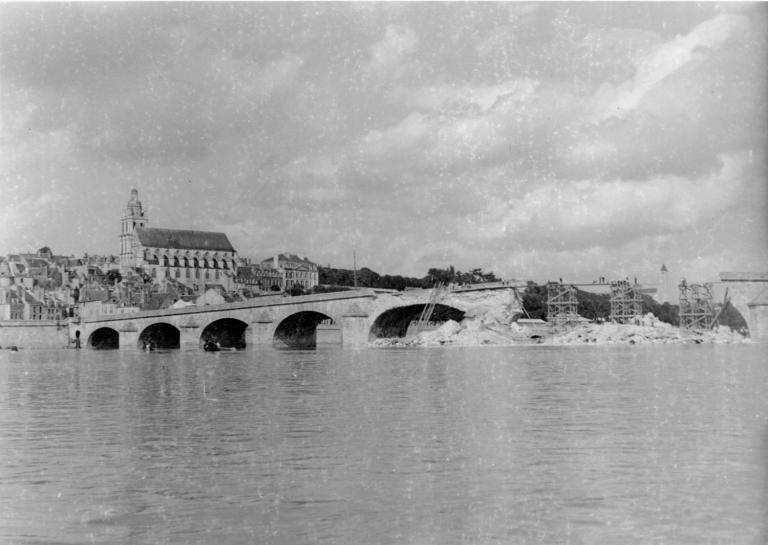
696	309
626	302
562	305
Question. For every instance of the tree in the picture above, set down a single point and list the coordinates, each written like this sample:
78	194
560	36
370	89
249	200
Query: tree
535	301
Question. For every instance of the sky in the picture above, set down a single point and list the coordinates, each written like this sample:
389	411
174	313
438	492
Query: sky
536	140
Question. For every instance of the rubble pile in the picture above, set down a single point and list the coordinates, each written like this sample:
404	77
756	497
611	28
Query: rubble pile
487	331
649	331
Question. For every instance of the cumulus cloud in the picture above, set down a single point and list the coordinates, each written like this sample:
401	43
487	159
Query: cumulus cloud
584	213
483	134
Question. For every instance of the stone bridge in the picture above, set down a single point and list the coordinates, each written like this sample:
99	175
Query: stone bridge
349	318
748	293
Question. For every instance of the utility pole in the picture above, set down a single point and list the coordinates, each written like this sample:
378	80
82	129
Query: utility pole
354	267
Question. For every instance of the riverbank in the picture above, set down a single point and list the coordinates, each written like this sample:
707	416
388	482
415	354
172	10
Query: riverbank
478	332
34	334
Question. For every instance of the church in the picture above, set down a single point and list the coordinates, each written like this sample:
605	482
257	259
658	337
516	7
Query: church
198	259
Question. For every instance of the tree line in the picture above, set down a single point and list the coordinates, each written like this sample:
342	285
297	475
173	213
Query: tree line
330	277
594	306
597	306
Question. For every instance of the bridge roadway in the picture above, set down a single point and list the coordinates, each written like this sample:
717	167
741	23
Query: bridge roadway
348	318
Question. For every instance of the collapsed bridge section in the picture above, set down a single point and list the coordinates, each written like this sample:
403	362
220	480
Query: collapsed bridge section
396	321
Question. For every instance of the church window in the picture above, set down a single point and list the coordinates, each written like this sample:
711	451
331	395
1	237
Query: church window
205	263
195	263
186	264
165	261
224	263
175	261
215	264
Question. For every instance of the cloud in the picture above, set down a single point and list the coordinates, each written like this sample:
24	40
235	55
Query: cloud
478	133
387	56
459	126
667	59
586	213
465	99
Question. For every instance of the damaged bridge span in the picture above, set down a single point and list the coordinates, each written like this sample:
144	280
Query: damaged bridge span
348	318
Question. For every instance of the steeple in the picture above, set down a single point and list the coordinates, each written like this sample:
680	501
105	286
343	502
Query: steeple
133	216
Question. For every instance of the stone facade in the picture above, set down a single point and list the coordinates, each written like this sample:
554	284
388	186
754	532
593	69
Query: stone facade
194	258
294	270
259	277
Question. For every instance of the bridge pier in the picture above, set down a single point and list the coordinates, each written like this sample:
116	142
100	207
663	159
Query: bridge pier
758	321
189	337
355	328
328	335
259	333
129	340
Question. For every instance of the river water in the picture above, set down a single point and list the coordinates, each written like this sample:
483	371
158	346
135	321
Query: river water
529	444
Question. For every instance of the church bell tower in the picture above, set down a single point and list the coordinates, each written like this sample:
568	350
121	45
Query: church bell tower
133	216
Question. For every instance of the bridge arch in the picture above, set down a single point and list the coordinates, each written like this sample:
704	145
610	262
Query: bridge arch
104	338
299	329
228	332
160	335
394	321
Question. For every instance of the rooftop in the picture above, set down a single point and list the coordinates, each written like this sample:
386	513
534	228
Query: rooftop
178	239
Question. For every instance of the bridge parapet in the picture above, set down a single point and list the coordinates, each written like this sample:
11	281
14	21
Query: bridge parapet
743	277
258	302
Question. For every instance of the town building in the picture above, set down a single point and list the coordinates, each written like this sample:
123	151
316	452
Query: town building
294	271
259	277
195	258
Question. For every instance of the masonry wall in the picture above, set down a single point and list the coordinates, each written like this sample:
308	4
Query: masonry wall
37	334
758	322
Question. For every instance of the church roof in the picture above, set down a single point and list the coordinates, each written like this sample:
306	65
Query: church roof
178	239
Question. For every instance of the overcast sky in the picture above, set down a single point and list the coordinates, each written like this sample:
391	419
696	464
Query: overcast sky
540	141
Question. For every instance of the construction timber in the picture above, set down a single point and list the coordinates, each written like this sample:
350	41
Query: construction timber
562	305
696	308
425	322
626	302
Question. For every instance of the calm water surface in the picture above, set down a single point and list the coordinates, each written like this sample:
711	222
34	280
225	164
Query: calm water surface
550	445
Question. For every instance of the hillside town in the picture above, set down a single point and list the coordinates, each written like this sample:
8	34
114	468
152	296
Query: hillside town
156	268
